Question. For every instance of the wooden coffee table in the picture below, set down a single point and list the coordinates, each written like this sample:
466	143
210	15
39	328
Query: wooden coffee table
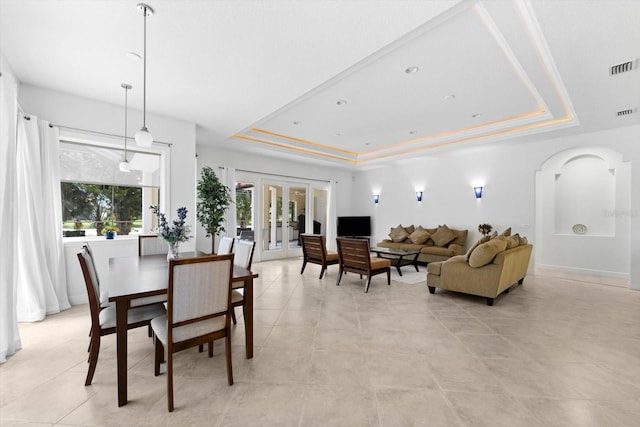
398	257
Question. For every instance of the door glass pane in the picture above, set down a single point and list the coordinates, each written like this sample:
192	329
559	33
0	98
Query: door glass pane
272	211
319	204
297	214
244	210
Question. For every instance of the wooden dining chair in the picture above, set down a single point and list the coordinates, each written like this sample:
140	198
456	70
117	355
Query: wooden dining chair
225	246
151	244
314	250
103	319
199	302
243	258
355	257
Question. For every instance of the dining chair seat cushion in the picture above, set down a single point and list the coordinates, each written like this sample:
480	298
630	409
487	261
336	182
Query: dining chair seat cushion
107	315
237	296
182	333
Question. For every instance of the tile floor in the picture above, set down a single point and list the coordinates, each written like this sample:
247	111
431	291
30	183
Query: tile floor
554	352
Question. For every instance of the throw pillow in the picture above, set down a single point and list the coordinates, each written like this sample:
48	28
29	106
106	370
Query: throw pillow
506	232
513	242
475	245
443	236
410	229
419	236
398	234
486	252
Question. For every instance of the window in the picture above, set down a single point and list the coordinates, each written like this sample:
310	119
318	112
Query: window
95	193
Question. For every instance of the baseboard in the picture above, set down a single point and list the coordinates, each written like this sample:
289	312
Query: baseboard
609	278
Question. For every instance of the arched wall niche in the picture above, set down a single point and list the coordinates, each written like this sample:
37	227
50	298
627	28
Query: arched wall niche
585	186
584	191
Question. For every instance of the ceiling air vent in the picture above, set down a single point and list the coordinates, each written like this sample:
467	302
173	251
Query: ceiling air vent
624	113
621	68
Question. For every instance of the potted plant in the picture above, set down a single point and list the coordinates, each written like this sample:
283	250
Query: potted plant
109	228
214	199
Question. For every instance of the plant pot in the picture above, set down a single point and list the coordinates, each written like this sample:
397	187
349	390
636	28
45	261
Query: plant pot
110	235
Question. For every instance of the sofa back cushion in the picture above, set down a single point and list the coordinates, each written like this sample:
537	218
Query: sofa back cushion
419	236
398	234
475	245
486	252
443	236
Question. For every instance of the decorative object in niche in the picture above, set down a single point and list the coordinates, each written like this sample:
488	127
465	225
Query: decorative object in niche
579	229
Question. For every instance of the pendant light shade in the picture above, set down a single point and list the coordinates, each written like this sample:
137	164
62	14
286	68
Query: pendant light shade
124	165
143	137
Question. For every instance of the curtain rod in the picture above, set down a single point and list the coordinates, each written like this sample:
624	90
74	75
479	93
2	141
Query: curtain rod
102	133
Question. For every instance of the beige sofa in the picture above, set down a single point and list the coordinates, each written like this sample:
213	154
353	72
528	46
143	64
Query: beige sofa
465	274
434	244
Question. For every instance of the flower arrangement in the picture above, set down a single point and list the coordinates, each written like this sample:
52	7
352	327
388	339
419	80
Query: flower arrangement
485	229
109	225
178	232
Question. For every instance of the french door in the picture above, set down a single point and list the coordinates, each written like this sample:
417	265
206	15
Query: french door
283	213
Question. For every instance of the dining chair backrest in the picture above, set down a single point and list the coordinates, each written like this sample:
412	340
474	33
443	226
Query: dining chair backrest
199	295
151	244
91	282
244	253
225	246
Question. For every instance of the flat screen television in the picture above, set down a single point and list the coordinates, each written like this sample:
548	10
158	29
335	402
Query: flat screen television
354	226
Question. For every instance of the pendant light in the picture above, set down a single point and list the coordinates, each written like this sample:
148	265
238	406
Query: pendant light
143	137
124	165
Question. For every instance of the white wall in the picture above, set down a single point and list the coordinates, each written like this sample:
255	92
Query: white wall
507	171
73	111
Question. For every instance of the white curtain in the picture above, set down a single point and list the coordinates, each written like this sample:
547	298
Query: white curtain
9	334
39	262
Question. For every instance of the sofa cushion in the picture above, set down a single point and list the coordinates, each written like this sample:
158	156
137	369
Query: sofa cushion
506	232
419	236
408	246
398	234
513	242
486	252
475	245
410	229
443	236
378	263
437	250
461	238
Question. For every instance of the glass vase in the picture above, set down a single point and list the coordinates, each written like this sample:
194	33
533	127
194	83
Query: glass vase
174	250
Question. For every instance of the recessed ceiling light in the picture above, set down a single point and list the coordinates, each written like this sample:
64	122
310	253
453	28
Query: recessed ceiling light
449	97
338	134
297	122
412	132
133	55
367	144
476	115
341	102
411	70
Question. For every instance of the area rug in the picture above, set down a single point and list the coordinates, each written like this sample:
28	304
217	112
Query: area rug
410	275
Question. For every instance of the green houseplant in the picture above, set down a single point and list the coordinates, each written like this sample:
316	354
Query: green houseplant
214	199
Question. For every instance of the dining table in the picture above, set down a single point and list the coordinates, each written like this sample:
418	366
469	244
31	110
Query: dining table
135	281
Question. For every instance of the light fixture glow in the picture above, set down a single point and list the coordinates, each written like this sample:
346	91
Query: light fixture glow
411	70
143	137
342	102
419	196
124	165
478	191
376	198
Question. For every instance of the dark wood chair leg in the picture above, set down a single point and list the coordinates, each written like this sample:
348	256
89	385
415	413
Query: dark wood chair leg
233	315
159	355
210	345
304	264
490	301
200	348
432	289
93	358
368	283
227	344
170	381
389	277
339	277
322	271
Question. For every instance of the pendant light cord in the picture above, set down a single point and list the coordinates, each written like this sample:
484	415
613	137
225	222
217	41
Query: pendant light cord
126	90
144	75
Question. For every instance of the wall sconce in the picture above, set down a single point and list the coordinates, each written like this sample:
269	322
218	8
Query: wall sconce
376	198
419	196
478	191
